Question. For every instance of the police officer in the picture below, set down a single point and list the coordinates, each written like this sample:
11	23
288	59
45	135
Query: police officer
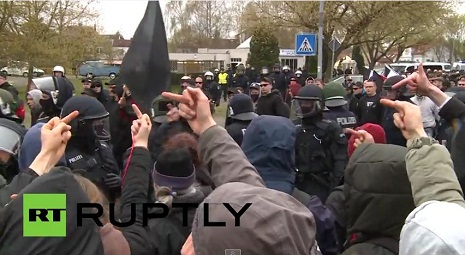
336	106
241	112
89	148
264	72
240	80
186	81
299	77
55	92
223	82
160	107
321	146
12	136
279	80
213	87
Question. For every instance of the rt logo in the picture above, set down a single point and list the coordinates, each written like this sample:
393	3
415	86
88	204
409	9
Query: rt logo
44	215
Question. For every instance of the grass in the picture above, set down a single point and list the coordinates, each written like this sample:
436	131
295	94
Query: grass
220	112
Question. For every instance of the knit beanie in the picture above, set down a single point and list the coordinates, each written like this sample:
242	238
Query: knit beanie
375	130
174	169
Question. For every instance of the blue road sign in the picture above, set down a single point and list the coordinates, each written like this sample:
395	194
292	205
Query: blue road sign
305	44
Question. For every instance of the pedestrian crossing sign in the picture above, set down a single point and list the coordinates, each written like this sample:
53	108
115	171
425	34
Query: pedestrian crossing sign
305	44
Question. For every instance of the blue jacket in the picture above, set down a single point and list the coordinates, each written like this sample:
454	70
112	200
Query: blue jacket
269	143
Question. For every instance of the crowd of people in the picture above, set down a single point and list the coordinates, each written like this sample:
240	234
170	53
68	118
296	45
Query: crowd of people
328	168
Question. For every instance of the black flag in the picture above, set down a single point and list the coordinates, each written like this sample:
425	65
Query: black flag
146	65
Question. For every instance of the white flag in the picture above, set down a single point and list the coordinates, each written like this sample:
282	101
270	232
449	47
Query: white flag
391	71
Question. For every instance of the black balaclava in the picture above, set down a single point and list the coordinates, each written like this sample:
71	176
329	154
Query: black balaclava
65	92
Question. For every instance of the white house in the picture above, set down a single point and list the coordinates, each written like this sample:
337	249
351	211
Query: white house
207	59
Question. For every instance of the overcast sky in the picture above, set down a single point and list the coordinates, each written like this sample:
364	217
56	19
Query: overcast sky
124	16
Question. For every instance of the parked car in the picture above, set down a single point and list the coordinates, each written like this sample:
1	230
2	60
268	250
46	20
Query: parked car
411	67
98	69
355	78
21	70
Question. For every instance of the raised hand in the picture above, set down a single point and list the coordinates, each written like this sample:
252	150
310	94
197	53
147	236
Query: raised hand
417	82
140	128
407	118
361	136
54	136
194	106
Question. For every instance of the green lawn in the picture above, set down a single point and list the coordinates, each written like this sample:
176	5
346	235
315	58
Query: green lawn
219	114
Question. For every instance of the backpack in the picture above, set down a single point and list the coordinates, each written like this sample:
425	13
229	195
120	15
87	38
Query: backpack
313	154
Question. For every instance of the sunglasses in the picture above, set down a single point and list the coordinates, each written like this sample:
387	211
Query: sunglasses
264	85
355	88
293	80
198	82
461	84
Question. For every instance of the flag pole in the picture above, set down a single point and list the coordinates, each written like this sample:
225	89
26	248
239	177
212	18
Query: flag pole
320	39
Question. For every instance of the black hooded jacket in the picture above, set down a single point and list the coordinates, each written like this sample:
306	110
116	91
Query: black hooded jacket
378	197
79	240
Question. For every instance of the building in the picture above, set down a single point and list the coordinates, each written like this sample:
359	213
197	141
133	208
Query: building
206	59
119	43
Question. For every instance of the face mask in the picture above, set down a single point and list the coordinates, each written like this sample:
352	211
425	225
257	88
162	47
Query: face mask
48	107
254	97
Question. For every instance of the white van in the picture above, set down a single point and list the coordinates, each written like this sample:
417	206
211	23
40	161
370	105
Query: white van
410	67
457	66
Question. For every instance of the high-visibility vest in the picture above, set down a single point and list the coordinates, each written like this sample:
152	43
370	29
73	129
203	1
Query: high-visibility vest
223	78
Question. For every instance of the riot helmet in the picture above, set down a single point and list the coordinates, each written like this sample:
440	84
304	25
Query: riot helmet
240	69
208	76
55	92
334	94
186	81
12	136
8	106
276	68
298	73
286	69
265	71
308	102
160	108
57	70
93	119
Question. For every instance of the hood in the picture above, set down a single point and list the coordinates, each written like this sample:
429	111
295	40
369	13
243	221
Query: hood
30	148
377	190
78	240
36	95
257	233
434	228
269	143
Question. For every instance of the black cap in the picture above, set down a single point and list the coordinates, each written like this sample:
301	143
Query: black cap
3	74
241	107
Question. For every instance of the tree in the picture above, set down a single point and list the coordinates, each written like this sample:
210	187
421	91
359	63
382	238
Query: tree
349	20
358	57
407	27
42	32
264	48
194	24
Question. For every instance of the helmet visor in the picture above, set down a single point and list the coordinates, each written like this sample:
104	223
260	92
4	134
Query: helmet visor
44	84
10	142
306	107
101	128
